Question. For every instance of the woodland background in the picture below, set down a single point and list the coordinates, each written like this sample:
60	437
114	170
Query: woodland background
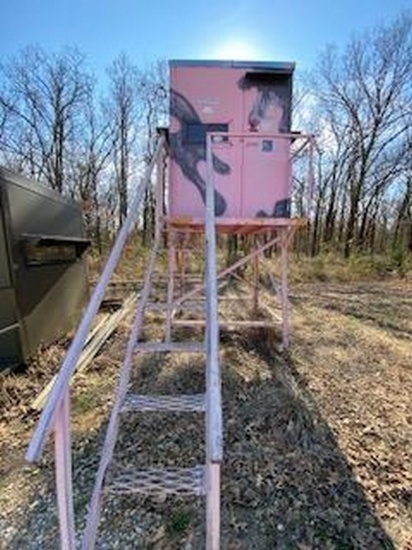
92	140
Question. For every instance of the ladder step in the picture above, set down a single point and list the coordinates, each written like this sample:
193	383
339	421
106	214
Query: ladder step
161	306
184	347
224	323
192	306
156	306
156	482
167	403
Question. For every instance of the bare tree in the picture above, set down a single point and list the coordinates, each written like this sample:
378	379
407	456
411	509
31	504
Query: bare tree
121	109
152	93
42	101
91	167
364	96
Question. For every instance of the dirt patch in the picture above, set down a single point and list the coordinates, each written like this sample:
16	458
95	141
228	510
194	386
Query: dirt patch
317	445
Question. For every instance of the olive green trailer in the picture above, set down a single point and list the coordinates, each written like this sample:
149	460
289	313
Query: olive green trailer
43	275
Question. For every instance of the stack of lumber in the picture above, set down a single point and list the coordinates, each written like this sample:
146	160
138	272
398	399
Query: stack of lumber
104	328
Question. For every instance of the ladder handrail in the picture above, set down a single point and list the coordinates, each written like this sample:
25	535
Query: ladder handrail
68	367
214	431
213	377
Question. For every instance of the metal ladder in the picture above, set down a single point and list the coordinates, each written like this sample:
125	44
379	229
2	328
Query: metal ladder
201	480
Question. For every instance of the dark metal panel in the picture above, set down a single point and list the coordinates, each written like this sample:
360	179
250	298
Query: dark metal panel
5	280
55	307
32	212
37	188
48	299
8	313
10	347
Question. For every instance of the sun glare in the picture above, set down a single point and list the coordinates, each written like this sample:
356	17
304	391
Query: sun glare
237	50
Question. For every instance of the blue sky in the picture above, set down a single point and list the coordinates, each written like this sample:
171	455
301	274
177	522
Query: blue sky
146	30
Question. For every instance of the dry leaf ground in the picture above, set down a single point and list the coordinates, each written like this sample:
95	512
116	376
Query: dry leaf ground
317	445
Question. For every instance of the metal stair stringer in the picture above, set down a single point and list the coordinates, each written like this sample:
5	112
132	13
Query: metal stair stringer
93	516
201	480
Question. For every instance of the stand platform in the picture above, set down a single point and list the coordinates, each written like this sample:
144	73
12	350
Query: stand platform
234	226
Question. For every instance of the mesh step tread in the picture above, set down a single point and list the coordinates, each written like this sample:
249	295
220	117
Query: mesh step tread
167	403
155	482
184	347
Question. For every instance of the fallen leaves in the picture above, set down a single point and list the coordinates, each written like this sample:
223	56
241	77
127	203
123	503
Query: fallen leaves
317	449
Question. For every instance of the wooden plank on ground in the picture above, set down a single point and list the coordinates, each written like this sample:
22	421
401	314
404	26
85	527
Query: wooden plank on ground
98	336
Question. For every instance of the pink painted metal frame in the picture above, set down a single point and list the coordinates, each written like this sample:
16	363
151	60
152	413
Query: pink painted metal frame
64	473
282	230
56	410
214	430
56	413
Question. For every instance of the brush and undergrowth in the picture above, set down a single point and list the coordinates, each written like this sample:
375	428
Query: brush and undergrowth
332	267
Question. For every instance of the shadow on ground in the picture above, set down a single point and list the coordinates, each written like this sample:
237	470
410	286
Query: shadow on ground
381	306
285	483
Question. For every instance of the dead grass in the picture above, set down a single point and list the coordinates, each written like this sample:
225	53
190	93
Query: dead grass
317	446
332	267
359	369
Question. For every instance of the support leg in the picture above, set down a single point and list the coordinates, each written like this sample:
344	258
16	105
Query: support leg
255	280
182	267
284	292
64	474
170	287
213	507
159	191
